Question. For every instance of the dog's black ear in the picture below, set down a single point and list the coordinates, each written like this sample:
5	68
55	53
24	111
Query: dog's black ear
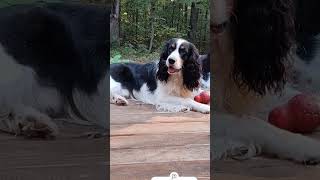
191	68
165	51
264	35
162	73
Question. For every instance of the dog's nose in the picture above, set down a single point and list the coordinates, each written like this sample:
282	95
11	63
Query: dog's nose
171	61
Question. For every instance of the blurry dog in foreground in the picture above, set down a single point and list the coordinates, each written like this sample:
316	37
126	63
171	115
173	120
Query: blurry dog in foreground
255	46
53	61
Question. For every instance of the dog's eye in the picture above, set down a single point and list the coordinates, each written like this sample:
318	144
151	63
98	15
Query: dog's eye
172	47
182	50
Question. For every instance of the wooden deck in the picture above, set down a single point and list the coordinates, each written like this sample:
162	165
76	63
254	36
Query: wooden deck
146	143
60	159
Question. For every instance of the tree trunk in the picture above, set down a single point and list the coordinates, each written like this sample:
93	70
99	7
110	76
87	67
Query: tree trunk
193	22
152	21
185	23
115	22
136	22
172	14
178	17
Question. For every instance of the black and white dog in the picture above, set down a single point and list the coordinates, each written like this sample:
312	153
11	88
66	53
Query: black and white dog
54	61
256	45
170	84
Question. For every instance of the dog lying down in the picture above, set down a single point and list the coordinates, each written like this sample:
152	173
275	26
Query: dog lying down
170	83
53	60
253	54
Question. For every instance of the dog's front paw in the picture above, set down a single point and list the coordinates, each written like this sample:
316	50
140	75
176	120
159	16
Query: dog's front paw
224	148
35	125
119	100
298	148
307	155
205	109
171	108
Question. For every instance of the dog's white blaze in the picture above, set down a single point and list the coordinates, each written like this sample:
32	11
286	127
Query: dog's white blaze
176	56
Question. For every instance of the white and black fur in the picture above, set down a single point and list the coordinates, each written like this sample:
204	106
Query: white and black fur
53	60
170	83
205	68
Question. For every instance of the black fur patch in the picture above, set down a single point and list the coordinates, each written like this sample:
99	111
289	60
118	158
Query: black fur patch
264	34
307	27
205	66
191	69
132	76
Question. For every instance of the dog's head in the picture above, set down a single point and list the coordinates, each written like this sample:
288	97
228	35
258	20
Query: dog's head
263	33
180	57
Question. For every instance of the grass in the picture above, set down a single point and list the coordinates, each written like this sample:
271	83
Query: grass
122	54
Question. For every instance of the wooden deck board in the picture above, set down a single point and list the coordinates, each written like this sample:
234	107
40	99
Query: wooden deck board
74	159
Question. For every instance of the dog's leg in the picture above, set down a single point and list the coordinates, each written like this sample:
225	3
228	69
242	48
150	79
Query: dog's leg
118	100
184	102
29	122
260	136
118	94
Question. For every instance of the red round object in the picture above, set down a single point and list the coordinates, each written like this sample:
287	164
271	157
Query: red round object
205	97
306	112
198	99
280	117
300	115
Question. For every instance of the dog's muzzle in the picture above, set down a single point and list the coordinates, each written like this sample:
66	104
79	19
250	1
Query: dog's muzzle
172	70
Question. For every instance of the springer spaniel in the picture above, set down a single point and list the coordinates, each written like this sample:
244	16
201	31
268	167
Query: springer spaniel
53	60
170	83
254	45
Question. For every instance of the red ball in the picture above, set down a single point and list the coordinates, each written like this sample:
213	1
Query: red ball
300	115
280	117
205	97
198	98
306	112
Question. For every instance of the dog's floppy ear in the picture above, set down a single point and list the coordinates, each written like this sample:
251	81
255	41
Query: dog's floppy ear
162	73
191	68
165	51
264	35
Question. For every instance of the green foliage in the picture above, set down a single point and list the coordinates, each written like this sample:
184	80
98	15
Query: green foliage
127	53
171	19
